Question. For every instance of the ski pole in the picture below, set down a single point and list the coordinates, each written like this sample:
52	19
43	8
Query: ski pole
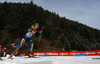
40	37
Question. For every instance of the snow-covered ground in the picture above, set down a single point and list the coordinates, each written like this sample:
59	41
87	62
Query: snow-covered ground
53	60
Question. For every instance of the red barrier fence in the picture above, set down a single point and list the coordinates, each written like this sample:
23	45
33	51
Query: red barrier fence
72	53
22	54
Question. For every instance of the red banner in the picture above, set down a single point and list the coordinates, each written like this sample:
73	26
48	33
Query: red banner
72	53
22	54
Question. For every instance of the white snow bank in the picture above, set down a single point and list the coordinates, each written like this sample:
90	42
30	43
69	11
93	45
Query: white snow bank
53	60
41	62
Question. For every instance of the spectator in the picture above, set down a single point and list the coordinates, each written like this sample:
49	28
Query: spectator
5	51
0	50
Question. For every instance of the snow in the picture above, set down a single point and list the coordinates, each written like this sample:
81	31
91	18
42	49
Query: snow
53	60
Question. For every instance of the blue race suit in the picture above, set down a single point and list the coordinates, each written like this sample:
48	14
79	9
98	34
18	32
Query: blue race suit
28	37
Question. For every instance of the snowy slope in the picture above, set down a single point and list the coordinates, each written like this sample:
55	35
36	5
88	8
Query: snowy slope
53	60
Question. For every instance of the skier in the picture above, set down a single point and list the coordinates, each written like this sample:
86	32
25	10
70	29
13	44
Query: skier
28	36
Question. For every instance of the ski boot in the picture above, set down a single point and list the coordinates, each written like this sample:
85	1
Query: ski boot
30	55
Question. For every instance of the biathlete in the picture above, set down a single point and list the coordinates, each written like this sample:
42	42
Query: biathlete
28	36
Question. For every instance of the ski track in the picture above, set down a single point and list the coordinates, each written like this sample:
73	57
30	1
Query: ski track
53	60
